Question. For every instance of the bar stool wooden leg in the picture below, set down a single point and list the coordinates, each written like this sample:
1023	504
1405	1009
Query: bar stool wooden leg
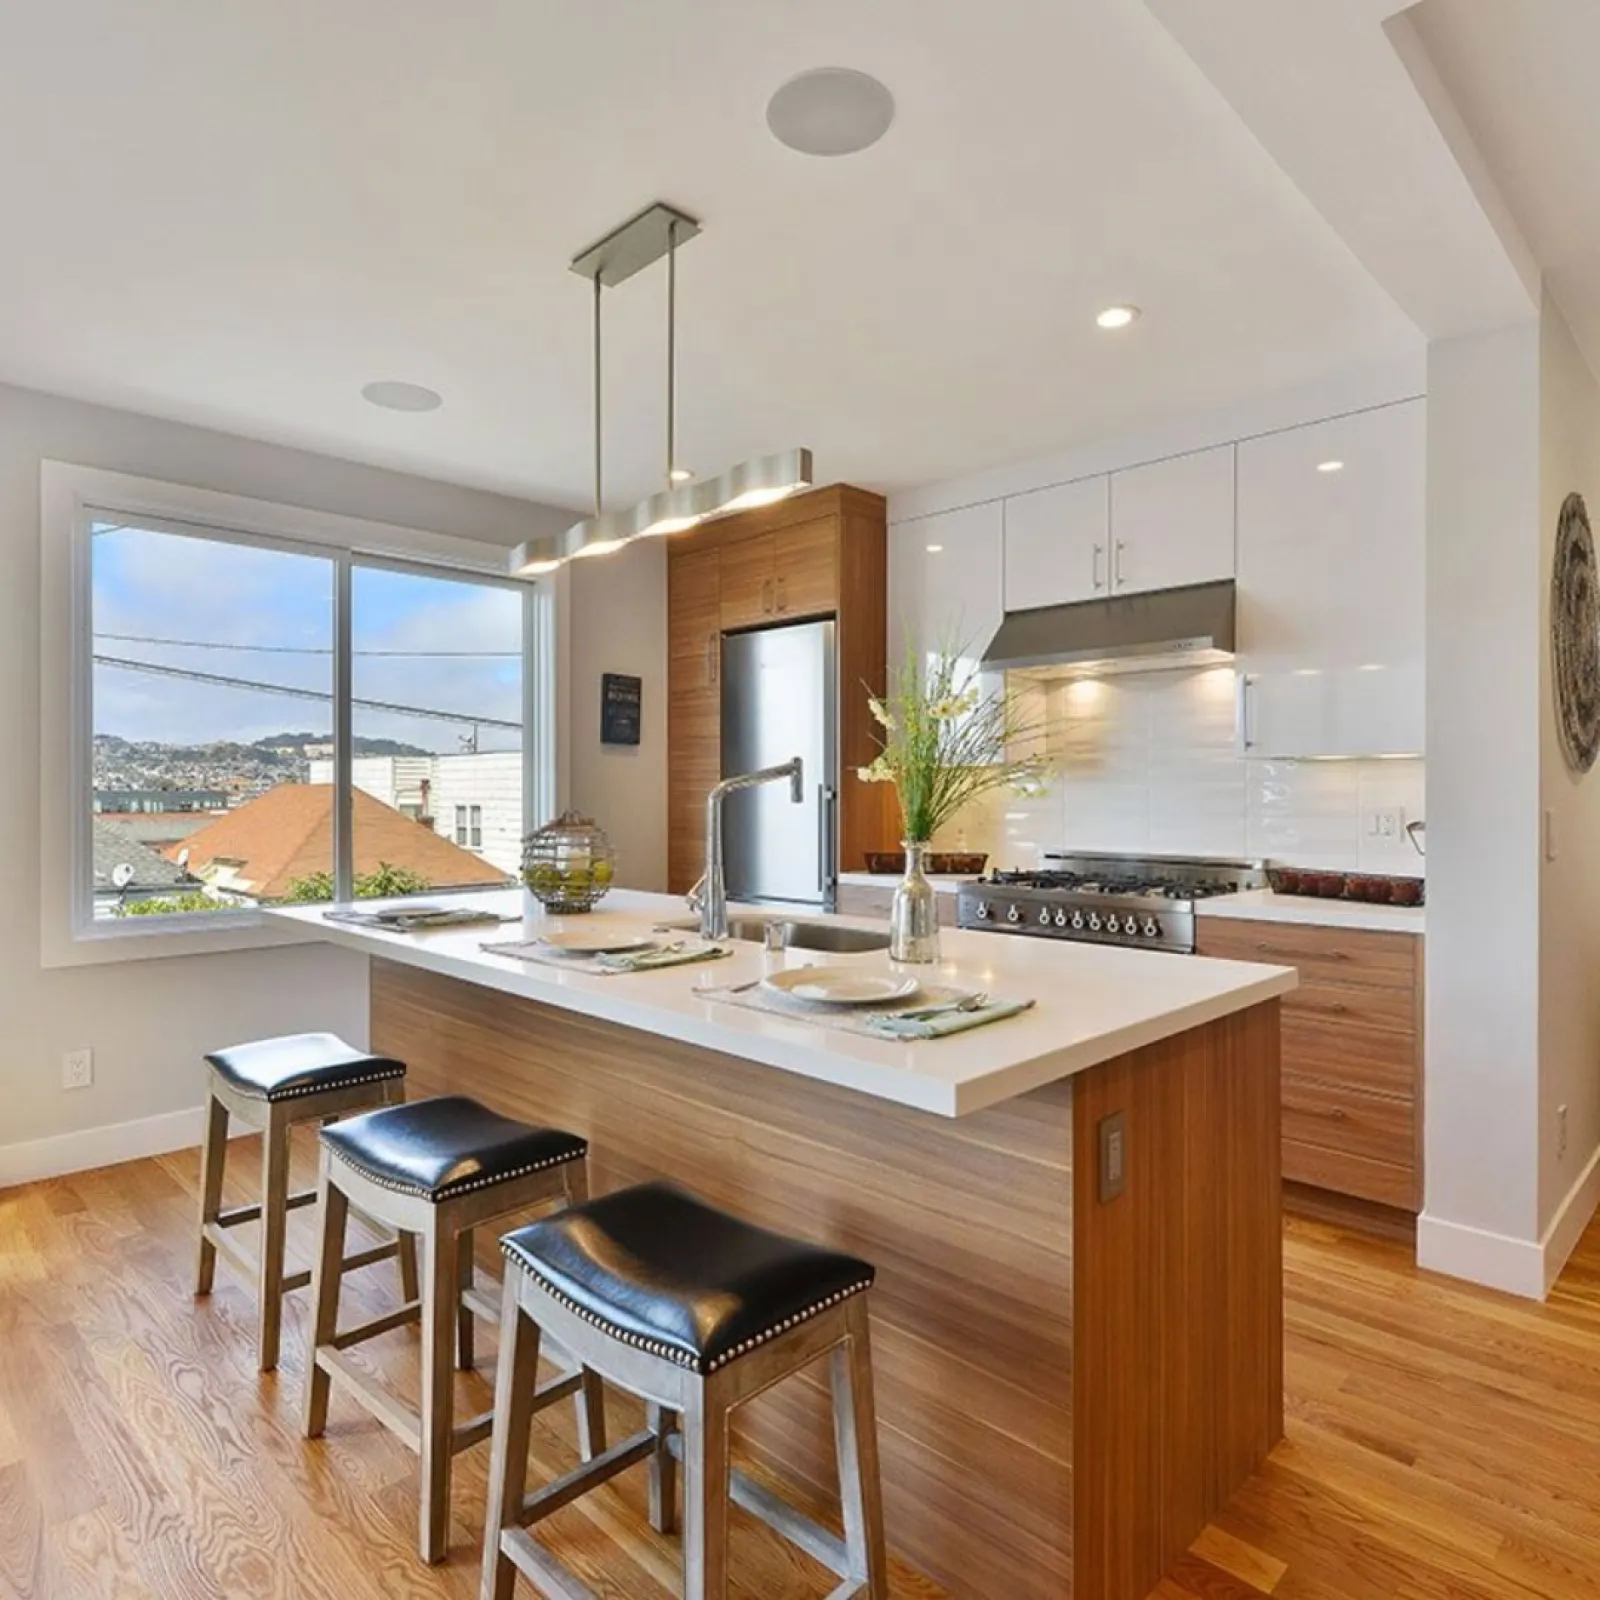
466	1347
409	1277
327	1280
213	1161
855	1433
705	1492
516	1378
440	1296
663	1469
274	1227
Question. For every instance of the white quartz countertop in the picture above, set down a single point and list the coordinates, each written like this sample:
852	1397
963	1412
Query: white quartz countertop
1093	1003
1262	905
943	883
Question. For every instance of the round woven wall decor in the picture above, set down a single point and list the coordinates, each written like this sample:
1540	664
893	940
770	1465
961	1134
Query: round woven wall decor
1575	635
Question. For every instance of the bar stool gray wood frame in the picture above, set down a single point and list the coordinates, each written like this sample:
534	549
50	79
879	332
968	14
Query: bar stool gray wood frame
704	1404
274	1120
448	1301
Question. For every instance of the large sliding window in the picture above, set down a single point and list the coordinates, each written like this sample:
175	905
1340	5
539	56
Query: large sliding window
267	721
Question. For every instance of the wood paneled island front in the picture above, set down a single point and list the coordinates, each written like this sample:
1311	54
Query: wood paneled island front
1071	1380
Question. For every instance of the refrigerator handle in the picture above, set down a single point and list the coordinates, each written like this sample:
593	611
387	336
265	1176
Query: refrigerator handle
825	862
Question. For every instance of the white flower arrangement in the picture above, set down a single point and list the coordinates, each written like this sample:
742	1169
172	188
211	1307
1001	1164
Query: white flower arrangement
945	742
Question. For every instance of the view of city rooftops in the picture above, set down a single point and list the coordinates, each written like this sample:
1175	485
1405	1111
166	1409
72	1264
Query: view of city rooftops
203	799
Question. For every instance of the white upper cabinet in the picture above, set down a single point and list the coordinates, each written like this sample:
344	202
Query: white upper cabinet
1331	586
1057	544
945	581
1172	522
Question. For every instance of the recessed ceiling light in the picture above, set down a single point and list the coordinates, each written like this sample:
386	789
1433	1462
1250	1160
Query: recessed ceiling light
1330	466
393	396
1118	316
830	111
934	549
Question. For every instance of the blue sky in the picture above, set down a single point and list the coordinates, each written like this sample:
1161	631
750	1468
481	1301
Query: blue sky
241	611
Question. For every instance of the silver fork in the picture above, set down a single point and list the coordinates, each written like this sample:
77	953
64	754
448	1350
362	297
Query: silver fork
968	1002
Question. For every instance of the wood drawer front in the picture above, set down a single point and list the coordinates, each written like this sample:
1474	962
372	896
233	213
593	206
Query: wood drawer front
1362	1006
1343	1173
1323	955
1331	1049
1374	1127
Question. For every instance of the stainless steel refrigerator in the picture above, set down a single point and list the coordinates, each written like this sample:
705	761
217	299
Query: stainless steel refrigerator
778	701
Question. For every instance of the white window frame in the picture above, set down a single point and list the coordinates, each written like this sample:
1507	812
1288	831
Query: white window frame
72	497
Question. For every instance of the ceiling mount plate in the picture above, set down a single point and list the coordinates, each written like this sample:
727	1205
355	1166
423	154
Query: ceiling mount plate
631	248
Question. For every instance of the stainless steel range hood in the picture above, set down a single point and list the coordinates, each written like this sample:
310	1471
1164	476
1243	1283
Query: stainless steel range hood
1193	626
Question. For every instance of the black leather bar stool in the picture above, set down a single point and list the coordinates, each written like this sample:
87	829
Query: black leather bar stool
270	1086
695	1311
437	1169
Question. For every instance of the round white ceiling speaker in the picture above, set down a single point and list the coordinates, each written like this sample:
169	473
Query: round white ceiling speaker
830	111
393	396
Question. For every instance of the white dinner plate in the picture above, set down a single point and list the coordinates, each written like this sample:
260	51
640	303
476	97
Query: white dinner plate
842	986
597	943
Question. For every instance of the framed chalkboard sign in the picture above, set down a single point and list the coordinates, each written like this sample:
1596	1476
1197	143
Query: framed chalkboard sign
620	700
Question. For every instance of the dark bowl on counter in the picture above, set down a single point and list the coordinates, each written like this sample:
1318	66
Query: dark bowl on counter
941	863
1366	887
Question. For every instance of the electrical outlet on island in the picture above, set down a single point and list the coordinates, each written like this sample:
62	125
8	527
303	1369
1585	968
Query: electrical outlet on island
77	1069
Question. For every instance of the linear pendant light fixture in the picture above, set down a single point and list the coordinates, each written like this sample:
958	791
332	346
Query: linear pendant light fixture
657	231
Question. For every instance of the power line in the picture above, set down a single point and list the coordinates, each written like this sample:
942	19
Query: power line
310	650
191	676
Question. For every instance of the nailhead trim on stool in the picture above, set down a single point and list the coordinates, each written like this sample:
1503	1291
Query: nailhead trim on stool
318	1088
672	1353
451	1190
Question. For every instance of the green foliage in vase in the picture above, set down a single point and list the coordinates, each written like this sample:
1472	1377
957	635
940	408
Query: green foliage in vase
945	742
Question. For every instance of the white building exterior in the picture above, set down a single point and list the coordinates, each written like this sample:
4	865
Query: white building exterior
475	801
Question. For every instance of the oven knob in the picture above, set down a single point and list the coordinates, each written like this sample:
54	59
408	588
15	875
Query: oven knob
1013	914
1094	922
1044	916
1061	918
1152	928
1077	919
983	911
1112	925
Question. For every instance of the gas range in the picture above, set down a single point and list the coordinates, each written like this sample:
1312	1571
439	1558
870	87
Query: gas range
1146	902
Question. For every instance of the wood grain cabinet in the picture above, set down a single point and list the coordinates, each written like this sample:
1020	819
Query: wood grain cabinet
1352	1054
820	554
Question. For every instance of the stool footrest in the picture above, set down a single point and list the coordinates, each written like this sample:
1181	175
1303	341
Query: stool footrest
252	1213
394	1414
366	1258
781	1517
589	1475
541	1568
370	1330
473	1431
481	1303
230	1249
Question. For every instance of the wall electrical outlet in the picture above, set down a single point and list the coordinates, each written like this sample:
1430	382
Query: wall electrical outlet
77	1069
1561	1132
1386	824
1113	1131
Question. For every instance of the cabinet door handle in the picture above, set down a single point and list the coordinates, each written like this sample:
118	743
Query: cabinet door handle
1094	565
783	595
1117	580
712	654
1246	733
1298	955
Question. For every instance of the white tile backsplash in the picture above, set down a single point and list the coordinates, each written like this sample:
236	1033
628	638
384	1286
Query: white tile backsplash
1148	762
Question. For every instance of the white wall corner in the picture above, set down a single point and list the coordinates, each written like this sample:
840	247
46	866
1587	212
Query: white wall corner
1494	1260
1572	1217
99	1147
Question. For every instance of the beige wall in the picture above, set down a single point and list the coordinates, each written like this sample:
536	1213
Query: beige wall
148	1021
617	622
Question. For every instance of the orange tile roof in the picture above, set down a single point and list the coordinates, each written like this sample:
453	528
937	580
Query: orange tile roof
287	833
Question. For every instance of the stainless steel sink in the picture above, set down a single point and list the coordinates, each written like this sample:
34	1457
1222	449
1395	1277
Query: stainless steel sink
795	934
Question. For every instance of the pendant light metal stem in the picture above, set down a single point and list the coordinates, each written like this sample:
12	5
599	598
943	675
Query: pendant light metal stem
672	348
597	397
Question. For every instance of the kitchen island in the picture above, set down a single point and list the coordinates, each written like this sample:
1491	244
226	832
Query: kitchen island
1075	1212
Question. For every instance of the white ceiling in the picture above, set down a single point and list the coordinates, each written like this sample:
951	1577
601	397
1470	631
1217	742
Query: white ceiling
1522	77
239	215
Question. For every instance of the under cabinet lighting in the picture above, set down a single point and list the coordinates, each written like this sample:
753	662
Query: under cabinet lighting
934	549
1330	466
1114	317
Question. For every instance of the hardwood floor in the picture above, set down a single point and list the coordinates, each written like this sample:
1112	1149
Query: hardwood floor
1444	1443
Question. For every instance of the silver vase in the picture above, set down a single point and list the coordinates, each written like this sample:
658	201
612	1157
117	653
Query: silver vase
914	915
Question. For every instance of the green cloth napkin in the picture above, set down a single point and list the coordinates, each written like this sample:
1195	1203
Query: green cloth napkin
648	960
944	1022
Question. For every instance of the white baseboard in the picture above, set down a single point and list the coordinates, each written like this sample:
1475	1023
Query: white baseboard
1572	1217
1495	1260
99	1147
1526	1267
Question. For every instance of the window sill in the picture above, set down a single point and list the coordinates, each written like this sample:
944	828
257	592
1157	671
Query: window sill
155	938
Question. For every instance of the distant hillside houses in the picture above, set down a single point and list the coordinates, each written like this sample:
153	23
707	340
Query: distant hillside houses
474	801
